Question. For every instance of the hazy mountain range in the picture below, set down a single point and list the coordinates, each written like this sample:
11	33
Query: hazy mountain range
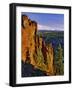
50	31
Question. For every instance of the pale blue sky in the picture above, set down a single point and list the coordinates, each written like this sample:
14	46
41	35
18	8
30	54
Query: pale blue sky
47	21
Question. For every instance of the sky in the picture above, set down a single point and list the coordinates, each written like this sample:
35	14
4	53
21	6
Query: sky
47	21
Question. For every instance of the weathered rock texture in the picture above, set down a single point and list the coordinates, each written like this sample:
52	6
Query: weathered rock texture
34	50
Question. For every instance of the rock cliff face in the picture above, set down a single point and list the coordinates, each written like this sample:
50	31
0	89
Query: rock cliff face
34	50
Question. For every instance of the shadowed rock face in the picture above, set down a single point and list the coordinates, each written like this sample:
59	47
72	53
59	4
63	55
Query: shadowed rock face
28	70
34	50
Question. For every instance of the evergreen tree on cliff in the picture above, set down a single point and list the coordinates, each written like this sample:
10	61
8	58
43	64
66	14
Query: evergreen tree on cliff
59	60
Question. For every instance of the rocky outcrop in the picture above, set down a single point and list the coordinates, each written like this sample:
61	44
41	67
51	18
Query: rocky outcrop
28	39
34	49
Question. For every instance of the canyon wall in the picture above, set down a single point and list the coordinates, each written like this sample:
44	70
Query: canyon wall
34	49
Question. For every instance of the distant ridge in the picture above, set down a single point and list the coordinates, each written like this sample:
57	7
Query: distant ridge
50	31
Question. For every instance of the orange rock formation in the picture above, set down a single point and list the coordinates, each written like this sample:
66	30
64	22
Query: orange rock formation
31	42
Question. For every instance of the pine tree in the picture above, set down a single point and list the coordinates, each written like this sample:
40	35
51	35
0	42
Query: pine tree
59	60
